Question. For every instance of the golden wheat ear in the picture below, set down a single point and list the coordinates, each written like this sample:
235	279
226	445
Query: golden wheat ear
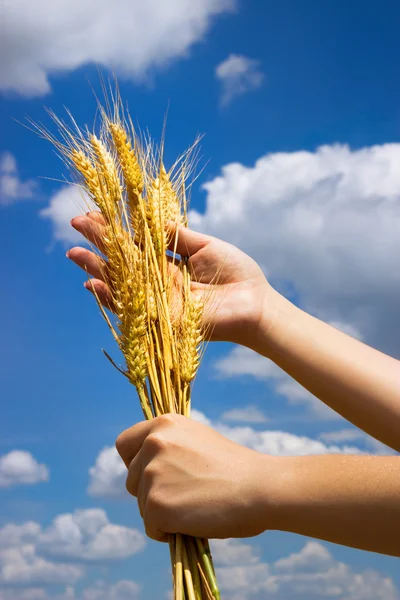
157	321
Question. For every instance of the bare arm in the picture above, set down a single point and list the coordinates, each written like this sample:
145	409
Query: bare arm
190	479
360	383
349	500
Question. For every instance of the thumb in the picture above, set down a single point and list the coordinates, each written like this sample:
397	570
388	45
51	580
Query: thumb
184	241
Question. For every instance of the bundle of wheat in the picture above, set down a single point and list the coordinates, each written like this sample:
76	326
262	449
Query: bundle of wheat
154	317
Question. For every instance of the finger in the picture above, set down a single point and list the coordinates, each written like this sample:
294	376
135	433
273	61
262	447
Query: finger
102	291
186	242
91	229
88	261
96	216
133	478
154	533
130	441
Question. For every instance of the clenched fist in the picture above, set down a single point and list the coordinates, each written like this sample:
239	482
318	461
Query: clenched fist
189	479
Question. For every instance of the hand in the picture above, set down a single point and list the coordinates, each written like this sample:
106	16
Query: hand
234	287
189	479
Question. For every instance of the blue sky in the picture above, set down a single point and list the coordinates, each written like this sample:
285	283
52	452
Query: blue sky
268	84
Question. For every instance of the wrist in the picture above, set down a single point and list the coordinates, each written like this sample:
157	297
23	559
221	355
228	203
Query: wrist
274	492
275	317
297	494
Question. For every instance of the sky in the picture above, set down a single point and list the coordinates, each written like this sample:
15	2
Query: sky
299	106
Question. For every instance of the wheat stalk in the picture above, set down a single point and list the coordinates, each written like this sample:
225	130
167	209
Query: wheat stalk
157	322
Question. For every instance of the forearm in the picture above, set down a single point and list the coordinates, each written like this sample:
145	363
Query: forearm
360	383
349	500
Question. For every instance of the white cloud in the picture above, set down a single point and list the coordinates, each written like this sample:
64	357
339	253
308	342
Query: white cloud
8	164
277	443
242	361
34	556
108	475
12	188
100	590
26	594
20	467
12	535
232	552
67	203
313	554
341	436
130	37
328	222
347	328
31	555
122	590
88	535
238	75
311	574
244	582
23	566
247	414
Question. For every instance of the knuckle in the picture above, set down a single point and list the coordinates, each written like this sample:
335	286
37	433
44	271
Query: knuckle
167	419
155	442
154	520
131	485
151	532
120	443
147	529
128	486
154	503
159	514
151	471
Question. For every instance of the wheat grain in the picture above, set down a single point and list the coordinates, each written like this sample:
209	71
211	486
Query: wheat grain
157	321
131	172
107	169
90	177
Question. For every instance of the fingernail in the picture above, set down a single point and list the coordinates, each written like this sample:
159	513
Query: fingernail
86	285
67	254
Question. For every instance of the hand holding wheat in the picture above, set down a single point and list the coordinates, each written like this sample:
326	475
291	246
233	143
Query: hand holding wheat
231	285
220	490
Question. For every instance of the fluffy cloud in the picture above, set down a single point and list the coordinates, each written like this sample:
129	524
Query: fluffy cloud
31	555
342	436
243	361
277	443
22	565
87	535
233	552
12	535
67	203
19	467
238	75
325	221
121	590
27	594
247	414
310	574
108	475
12	188
129	36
